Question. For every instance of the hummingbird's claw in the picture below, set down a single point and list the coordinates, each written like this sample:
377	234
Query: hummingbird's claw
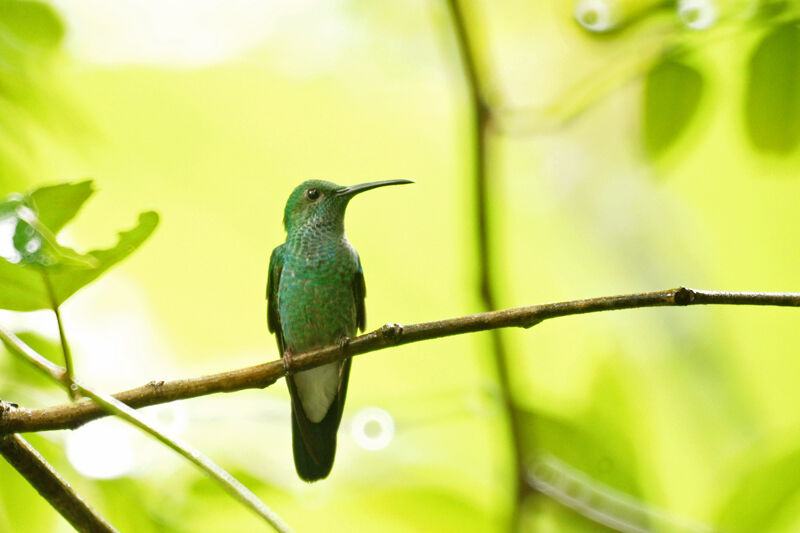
287	363
344	342
7	406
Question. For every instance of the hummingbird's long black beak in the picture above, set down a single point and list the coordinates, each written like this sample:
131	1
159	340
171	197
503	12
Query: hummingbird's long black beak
355	189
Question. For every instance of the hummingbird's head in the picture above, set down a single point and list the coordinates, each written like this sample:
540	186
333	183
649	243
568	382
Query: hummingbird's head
322	203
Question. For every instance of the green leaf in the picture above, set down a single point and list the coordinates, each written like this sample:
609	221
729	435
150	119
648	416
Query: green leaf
21	289
37	245
67	282
58	204
35	218
50	208
28	247
672	93
772	107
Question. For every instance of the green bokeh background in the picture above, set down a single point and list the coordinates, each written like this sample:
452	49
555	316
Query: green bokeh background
634	160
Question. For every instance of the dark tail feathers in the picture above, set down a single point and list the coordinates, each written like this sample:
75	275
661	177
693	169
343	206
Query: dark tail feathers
313	457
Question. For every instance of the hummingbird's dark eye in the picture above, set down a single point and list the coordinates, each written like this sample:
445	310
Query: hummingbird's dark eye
312	194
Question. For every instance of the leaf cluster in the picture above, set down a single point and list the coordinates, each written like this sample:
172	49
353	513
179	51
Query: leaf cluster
29	247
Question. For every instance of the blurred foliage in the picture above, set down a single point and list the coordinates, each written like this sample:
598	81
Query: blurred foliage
679	410
760	497
594	443
773	106
673	88
672	94
30	37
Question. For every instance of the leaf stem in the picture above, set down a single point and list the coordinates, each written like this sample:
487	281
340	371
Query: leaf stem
70	374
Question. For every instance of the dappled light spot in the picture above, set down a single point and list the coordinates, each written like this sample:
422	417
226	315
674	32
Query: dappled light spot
8	226
168	417
33	245
102	449
372	428
26	214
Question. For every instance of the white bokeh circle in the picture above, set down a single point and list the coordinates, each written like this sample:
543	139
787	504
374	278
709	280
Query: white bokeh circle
362	432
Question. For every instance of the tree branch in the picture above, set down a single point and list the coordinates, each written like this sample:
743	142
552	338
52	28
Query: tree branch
70	416
53	488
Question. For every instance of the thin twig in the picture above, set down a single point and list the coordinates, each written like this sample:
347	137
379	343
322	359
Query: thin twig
481	133
53	488
70	369
70	416
111	405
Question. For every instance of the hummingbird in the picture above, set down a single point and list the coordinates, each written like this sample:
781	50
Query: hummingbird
315	297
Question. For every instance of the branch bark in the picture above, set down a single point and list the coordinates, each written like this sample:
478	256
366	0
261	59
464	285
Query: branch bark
70	416
53	488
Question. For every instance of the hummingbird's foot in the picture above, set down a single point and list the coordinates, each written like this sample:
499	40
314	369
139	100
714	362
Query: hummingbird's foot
7	407
344	342
287	363
156	384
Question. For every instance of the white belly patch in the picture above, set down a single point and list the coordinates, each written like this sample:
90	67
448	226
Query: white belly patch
317	388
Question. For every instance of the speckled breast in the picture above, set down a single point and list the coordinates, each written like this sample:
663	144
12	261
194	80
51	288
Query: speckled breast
315	297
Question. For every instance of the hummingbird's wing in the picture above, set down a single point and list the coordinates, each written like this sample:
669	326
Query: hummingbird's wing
359	293
315	448
314	444
273	279
313	456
